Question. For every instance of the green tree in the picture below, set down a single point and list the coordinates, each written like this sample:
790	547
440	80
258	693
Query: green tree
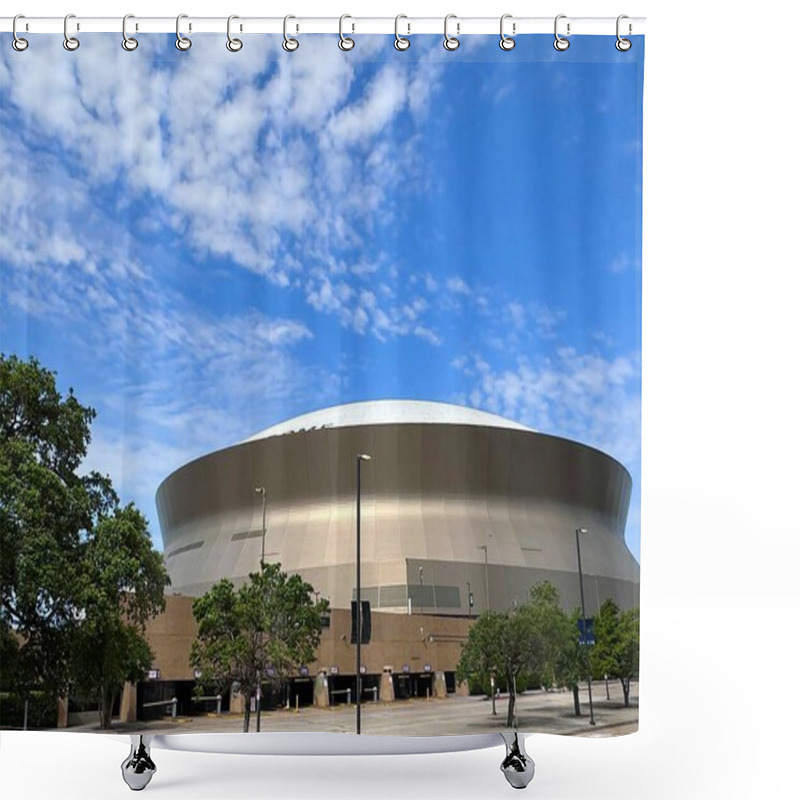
480	654
564	660
550	628
537	637
54	528
617	648
44	509
271	622
572	664
501	643
123	586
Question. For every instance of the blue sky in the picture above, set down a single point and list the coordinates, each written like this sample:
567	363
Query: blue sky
203	244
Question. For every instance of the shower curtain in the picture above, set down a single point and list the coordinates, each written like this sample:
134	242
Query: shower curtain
320	384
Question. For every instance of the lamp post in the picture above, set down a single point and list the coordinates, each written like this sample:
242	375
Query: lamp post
485	548
469	599
359	458
578	532
421	604
263	492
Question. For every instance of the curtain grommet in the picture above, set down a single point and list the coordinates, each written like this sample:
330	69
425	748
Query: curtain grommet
71	43
622	44
234	45
450	42
289	43
506	42
183	43
19	44
401	43
129	43
561	43
346	43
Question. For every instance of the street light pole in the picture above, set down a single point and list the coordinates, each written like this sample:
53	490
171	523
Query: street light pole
421	604
359	458
578	532
469	599
485	548
263	492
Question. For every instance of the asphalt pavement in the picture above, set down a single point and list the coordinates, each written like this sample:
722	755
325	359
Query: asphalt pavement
537	712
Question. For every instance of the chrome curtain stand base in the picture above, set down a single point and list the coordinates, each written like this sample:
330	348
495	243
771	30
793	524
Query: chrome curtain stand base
138	768
517	766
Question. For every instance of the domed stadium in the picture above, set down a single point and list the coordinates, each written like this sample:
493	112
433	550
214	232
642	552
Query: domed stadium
461	512
455	502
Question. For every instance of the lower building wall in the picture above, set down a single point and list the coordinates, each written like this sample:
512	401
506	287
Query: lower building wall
420	642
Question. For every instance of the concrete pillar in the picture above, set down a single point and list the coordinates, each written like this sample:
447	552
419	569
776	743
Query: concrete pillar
238	701
386	691
321	697
439	685
127	703
462	688
62	712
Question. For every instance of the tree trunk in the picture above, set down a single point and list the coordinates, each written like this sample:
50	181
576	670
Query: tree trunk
246	728
512	700
576	700
626	690
106	704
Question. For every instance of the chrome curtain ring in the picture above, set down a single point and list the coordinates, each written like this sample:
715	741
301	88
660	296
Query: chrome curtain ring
400	42
234	45
622	44
560	43
19	44
181	42
506	42
289	44
70	42
450	42
345	42
128	42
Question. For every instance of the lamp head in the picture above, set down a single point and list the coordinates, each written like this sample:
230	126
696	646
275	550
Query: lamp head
582	530
364	457
260	490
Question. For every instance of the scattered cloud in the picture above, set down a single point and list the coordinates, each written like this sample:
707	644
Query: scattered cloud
253	159
582	396
458	285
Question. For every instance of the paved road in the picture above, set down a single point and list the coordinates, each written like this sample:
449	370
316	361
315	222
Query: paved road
546	712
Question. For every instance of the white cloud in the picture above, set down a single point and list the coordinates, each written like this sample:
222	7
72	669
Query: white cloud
361	121
457	285
583	396
251	159
516	314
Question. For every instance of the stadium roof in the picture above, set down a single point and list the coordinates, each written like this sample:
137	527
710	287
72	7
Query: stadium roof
389	412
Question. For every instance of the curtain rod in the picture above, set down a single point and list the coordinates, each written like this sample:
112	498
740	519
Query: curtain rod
459	26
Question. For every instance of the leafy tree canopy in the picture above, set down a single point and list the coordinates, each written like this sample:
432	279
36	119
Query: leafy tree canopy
531	637
270	623
617	648
79	574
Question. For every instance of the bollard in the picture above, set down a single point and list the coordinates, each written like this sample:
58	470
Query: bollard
428	693
25	716
349	692
219	704
297	704
174	707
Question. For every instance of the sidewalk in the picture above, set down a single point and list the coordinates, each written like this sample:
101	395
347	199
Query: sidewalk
537	712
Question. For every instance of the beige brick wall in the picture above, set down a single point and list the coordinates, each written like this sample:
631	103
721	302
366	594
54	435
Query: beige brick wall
397	639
